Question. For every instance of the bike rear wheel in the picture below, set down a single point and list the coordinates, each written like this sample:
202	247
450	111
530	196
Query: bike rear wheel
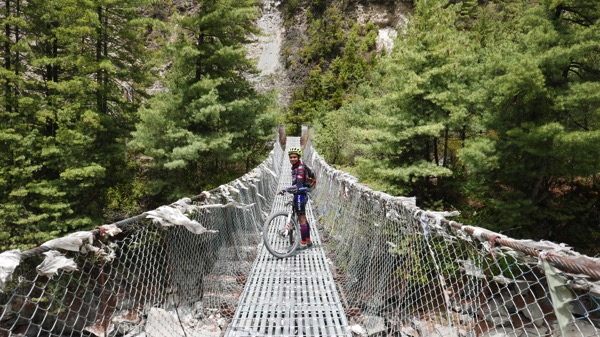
279	243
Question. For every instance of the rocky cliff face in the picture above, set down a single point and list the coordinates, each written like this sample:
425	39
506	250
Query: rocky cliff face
267	49
281	43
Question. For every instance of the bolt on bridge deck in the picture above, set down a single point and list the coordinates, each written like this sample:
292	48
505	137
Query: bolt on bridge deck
295	296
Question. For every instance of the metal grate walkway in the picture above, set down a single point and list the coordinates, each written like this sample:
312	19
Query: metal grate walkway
294	296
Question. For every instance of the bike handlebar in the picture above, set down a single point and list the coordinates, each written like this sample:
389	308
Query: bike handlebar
301	189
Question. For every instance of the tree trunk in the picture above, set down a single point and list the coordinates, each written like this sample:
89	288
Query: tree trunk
7	89
199	59
435	151
101	74
444	158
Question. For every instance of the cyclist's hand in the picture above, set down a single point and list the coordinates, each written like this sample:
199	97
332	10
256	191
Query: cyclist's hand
282	192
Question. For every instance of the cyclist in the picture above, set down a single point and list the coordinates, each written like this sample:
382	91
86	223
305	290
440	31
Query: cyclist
300	198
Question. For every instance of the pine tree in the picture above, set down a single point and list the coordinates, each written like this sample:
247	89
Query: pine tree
211	119
417	106
69	132
340	56
542	154
499	119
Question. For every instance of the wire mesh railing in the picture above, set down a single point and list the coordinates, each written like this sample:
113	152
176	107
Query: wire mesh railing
400	270
174	271
403	271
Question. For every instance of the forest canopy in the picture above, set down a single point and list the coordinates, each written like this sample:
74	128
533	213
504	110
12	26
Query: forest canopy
491	109
109	108
92	132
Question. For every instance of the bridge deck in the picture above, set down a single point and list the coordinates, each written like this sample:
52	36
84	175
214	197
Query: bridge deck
294	296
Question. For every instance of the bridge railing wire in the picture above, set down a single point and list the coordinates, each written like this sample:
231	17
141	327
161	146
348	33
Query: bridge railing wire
167	272
404	271
401	271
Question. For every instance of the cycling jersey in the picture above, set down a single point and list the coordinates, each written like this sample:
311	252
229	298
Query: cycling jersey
298	178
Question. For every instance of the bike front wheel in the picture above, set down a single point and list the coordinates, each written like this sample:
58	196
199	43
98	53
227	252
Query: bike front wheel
279	241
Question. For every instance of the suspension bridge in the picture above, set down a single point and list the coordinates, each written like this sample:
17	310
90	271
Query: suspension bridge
380	266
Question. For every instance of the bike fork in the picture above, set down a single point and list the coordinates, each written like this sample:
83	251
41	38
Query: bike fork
287	226
288	222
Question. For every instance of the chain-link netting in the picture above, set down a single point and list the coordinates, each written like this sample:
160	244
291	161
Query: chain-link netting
403	271
158	274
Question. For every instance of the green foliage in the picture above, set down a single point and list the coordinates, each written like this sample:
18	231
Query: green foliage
423	260
325	36
318	6
211	118
505	265
413	105
289	9
128	198
65	117
502	110
491	108
342	132
338	54
539	142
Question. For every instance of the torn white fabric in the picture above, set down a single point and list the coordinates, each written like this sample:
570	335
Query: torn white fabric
223	189
550	246
425	225
461	234
585	285
431	222
254	175
441	215
229	204
508	251
9	261
407	201
106	253
392	215
167	216
359	330
184	205
226	190
72	242
241	185
233	189
53	262
348	177
206	195
471	268
111	230
99	330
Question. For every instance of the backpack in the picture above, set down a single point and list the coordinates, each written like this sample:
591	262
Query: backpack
310	178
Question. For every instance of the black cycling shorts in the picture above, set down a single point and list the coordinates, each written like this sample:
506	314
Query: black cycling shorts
300	204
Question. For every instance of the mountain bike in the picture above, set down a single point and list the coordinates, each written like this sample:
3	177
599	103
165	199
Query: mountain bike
281	232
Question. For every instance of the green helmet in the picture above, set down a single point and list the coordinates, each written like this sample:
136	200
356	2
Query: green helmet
295	150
